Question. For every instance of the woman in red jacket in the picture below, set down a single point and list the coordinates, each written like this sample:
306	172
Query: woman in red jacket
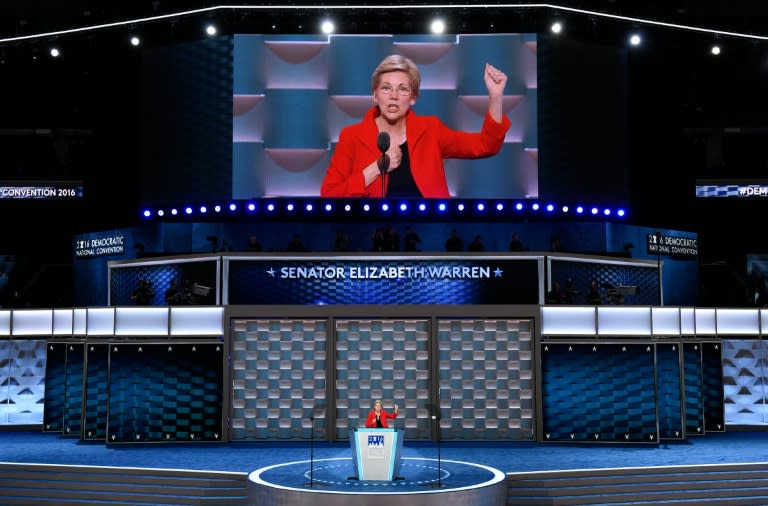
418	144
377	418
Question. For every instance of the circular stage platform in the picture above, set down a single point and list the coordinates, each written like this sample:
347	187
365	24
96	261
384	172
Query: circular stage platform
424	482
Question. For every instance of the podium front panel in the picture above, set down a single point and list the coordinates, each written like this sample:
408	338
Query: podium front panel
376	453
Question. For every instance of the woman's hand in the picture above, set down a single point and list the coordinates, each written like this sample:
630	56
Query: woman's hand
495	80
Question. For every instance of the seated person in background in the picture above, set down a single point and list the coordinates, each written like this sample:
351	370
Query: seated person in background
593	297
454	242
253	244
555	295
476	244
377	418
171	295
516	244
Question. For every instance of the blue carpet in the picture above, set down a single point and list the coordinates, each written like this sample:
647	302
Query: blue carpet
716	448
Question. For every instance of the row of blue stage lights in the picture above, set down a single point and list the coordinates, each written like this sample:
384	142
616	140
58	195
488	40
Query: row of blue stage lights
366	207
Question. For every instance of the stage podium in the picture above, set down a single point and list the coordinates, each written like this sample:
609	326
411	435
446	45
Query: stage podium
376	453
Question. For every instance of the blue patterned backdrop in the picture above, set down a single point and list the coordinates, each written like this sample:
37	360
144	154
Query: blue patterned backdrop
598	392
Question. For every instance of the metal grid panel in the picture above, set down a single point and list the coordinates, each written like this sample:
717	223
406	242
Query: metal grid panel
278	379
486	379
382	359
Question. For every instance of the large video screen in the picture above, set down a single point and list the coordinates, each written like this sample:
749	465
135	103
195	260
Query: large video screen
294	94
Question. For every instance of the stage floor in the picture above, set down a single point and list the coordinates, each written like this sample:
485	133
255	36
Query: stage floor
714	448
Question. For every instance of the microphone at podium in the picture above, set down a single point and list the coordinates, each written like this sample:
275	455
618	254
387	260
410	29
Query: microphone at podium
383	161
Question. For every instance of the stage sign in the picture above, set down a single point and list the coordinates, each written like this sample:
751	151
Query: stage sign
681	247
101	245
383	280
41	190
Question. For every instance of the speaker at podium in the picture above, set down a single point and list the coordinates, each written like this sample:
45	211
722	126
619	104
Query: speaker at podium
376	453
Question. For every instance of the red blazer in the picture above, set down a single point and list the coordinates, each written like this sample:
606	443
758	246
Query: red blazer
370	422
429	142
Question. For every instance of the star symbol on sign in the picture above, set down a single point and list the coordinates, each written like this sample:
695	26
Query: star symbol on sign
498	272
271	272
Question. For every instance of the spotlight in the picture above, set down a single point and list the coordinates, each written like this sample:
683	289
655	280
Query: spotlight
535	206
309	207
635	39
161	213
422	207
328	207
327	27
550	208
460	207
252	207
210	30
188	210
557	27
270	207
385	207
233	207
135	41
403	207
519	206
55	52
715	50
289	207
565	209
437	27
481	207
203	209
441	207
147	213
499	206
347	208
217	208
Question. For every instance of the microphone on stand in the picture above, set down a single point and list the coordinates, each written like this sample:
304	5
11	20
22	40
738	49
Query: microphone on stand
383	161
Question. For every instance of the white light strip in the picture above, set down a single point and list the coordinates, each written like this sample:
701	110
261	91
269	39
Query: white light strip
389	7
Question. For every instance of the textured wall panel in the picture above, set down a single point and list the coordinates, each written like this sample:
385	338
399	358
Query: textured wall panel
165	391
22	381
486	379
712	371
55	374
278	379
95	398
744	379
668	369
387	360
693	389
598	392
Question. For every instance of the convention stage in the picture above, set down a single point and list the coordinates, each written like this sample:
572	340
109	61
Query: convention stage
722	458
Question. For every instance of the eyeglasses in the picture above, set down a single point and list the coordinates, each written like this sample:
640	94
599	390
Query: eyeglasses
400	90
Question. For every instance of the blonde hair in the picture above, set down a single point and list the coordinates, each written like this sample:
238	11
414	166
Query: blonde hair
398	63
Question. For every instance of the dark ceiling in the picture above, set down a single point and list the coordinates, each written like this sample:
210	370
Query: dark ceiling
19	18
672	89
